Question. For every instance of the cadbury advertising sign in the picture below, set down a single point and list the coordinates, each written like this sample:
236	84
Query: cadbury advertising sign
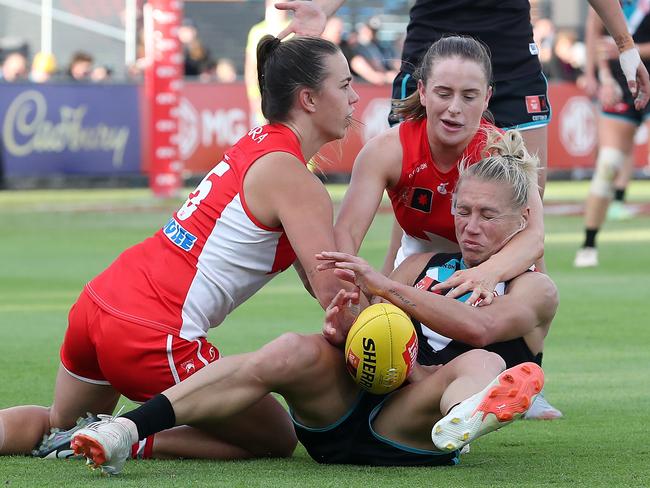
69	129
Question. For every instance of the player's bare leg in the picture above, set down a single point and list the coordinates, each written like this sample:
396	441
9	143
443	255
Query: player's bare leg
616	139
409	414
226	398
292	365
21	428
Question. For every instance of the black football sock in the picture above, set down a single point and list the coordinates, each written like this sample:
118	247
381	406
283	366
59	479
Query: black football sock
619	195
590	237
153	416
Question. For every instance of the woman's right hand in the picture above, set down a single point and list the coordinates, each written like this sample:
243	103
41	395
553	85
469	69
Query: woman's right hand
337	320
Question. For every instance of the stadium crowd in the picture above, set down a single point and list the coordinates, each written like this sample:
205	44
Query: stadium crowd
372	51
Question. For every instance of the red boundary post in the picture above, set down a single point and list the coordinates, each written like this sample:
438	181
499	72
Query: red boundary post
163	84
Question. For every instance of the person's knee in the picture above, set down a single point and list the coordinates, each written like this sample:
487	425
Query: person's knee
609	162
486	360
288	357
59	420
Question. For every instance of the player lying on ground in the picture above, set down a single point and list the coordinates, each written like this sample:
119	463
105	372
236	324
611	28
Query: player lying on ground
486	215
338	423
141	325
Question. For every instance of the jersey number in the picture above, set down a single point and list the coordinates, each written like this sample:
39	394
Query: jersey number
201	191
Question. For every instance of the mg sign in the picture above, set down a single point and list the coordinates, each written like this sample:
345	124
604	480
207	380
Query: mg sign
207	128
578	128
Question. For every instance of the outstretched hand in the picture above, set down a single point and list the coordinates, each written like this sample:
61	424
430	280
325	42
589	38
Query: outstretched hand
337	317
308	18
637	76
356	270
481	285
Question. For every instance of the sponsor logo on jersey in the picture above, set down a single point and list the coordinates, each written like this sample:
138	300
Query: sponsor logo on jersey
179	236
421	199
442	188
188	366
536	104
417	169
410	353
213	353
424	284
534	50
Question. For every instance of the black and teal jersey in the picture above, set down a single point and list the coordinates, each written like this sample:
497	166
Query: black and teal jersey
435	348
502	25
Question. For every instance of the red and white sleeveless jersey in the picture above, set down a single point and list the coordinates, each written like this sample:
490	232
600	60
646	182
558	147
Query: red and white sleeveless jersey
209	258
422	198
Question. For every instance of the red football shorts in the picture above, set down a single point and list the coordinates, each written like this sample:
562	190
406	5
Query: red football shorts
137	361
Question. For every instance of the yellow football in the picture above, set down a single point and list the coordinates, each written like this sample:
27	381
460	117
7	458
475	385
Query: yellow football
381	348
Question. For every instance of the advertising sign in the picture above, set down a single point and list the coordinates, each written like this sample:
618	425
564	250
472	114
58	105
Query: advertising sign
213	117
79	129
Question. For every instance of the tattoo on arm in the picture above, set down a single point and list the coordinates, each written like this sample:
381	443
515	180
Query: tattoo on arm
403	300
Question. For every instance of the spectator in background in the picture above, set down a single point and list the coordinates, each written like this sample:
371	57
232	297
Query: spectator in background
567	58
14	68
220	71
544	35
43	67
334	32
273	23
196	55
80	66
101	73
225	71
367	60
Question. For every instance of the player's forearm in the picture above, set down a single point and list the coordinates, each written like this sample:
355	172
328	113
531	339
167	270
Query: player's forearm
593	30
395	242
443	315
345	242
517	255
611	14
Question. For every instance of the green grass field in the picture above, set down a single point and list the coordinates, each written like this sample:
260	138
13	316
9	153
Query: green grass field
597	358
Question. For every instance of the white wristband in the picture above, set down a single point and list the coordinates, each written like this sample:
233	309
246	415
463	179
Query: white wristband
630	61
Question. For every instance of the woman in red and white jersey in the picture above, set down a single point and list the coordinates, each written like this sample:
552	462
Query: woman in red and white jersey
140	326
417	164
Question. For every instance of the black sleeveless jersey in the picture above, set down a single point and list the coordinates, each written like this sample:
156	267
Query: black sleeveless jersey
438	349
503	25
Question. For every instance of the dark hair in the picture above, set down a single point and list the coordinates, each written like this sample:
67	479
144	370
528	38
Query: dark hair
81	56
284	67
463	47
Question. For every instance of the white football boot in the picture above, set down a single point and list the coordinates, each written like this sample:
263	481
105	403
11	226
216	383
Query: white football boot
105	444
542	410
501	402
586	257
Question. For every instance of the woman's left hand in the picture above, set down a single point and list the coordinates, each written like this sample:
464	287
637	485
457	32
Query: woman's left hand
475	280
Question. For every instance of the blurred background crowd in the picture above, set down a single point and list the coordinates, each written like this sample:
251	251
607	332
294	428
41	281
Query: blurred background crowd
214	32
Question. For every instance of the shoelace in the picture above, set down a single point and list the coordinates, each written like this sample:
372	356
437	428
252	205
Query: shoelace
110	418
